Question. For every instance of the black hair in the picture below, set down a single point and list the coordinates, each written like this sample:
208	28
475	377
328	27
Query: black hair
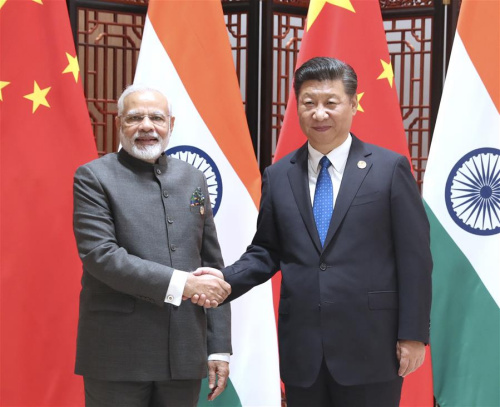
324	69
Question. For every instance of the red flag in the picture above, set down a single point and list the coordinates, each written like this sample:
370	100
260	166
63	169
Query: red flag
353	31
45	135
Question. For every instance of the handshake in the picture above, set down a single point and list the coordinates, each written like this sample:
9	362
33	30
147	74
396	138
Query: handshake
206	287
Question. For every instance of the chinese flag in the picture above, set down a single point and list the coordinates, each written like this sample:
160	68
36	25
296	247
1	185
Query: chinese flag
45	134
353	31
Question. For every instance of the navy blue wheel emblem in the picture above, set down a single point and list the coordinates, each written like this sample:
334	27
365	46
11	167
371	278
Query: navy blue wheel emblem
473	192
202	161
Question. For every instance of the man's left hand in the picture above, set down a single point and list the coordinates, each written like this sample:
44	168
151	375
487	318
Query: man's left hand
218	373
411	355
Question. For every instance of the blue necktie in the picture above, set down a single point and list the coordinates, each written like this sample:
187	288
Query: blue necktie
323	200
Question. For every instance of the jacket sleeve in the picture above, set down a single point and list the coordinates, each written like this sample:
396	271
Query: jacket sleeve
218	319
411	234
98	248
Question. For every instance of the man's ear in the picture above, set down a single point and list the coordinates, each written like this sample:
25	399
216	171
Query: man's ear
354	104
118	123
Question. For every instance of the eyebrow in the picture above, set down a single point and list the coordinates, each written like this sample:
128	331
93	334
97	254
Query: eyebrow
136	111
315	95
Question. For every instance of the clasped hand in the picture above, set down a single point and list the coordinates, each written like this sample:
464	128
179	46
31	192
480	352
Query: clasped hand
206	287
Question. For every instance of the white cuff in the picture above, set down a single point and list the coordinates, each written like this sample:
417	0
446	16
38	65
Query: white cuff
176	287
220	356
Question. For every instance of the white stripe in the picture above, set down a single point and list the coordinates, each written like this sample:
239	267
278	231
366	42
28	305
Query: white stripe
467	120
254	364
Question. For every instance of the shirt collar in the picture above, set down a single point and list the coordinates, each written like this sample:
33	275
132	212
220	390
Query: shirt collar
338	156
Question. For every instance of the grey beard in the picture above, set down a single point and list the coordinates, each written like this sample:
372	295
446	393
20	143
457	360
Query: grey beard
145	153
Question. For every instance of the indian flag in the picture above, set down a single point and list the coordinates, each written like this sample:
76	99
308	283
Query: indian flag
186	52
462	194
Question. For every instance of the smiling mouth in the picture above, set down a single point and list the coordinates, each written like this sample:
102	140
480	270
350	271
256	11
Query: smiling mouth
322	128
146	140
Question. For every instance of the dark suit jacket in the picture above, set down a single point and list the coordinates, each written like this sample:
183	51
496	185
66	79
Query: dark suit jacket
368	287
133	224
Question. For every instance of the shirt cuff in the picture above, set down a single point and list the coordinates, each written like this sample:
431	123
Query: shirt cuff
220	356
176	287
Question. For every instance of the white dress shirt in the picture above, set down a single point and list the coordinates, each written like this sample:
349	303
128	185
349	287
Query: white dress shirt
338	158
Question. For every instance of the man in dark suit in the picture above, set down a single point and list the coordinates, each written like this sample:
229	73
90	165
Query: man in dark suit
344	222
140	218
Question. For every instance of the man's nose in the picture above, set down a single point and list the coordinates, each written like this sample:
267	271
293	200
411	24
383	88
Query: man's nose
320	113
146	123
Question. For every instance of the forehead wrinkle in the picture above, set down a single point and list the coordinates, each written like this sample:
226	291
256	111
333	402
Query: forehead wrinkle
145	110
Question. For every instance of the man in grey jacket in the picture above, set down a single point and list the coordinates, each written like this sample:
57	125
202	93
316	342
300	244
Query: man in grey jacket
140	219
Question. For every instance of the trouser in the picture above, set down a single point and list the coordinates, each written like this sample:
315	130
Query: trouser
169	393
326	392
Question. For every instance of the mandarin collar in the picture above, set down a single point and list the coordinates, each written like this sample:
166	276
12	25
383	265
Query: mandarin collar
134	162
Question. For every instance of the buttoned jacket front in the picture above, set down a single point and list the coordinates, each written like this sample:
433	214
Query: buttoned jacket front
351	300
134	223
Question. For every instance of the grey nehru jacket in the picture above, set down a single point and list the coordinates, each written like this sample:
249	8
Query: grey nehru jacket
134	223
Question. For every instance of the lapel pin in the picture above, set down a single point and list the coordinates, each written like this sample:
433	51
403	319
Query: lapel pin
361	164
202	210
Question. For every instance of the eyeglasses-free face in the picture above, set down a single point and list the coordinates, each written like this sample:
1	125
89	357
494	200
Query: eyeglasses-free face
325	113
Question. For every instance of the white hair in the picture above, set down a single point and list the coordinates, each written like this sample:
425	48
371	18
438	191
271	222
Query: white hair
139	88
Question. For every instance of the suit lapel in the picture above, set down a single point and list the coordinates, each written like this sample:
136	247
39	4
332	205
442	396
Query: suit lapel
351	181
299	183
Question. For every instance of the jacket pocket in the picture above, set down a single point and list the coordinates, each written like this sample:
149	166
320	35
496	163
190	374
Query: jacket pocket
383	300
364	199
114	302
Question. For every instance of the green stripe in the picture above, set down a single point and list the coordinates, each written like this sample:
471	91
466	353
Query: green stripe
228	398
465	328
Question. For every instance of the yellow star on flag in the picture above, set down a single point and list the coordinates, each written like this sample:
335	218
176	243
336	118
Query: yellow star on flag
72	66
2	2
387	73
38	97
360	95
2	85
315	7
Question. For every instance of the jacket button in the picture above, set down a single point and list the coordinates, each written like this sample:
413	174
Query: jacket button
169	220
173	247
165	193
158	171
322	267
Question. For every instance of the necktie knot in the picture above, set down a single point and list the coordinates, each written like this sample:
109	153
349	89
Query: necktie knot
325	162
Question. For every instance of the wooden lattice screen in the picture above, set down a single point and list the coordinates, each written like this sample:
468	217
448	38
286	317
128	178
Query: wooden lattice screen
108	37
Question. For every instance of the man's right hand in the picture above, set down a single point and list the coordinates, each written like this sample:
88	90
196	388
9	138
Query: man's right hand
206	290
201	299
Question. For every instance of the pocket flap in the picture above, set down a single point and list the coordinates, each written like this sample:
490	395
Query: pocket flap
112	302
383	300
364	199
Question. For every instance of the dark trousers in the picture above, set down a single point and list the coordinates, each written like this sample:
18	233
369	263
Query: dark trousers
170	393
326	392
